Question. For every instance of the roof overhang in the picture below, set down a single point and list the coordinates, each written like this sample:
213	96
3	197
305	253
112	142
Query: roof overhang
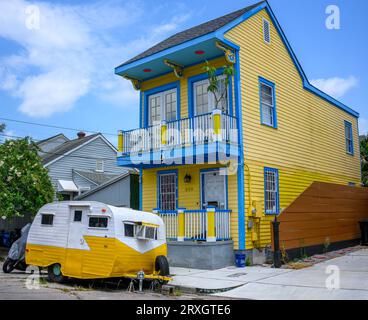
185	54
67	186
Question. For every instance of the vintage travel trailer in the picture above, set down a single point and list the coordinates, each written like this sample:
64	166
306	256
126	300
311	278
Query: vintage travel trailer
89	240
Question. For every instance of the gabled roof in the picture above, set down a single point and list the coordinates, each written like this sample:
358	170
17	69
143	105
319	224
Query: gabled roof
192	33
107	183
96	177
60	135
65	148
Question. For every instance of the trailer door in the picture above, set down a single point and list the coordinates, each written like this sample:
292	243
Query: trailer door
77	245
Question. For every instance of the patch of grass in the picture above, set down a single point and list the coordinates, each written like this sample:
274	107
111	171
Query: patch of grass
43	281
177	293
299	265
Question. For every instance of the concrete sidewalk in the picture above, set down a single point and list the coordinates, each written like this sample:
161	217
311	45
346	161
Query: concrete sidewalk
285	284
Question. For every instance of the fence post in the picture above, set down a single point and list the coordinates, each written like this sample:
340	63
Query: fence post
276	244
216	116
163	132
181	225
211	232
120	141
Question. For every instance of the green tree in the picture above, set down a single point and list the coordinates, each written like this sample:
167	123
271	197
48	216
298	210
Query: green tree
24	183
364	159
218	85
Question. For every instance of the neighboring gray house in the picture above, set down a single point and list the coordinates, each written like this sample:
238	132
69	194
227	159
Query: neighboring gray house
87	166
115	191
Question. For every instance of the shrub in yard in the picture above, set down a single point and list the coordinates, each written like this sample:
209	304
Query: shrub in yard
24	183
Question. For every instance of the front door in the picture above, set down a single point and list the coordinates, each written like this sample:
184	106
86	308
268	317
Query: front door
77	245
213	189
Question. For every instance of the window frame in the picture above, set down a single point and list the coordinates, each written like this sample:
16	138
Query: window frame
161	92
211	98
159	176
265	82
99	217
81	215
102	162
52	215
277	191
349	143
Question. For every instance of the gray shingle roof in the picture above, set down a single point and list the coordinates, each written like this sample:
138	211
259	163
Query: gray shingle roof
192	33
96	177
107	183
64	148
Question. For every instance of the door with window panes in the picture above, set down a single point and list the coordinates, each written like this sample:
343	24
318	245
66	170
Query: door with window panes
76	241
168	192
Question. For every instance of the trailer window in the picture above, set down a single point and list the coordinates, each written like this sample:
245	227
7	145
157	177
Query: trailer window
98	222
77	216
150	233
129	230
47	219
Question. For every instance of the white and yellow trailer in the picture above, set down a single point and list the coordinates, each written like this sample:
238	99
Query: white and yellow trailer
90	240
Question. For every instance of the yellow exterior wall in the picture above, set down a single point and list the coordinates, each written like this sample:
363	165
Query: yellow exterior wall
309	143
170	77
189	196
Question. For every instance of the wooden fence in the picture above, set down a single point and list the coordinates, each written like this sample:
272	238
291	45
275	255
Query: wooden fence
325	213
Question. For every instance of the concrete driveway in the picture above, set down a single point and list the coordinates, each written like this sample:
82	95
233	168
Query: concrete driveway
342	278
346	276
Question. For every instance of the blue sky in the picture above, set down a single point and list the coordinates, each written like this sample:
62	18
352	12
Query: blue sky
63	72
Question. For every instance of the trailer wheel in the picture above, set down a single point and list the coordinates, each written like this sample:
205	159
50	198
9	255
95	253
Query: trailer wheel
162	265
55	274
8	265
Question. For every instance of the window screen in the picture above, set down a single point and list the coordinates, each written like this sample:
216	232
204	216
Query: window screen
98	222
167	190
77	216
129	230
47	219
267	105
271	191
266	31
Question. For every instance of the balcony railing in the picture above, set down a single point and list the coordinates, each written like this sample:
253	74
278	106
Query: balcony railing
197	225
206	128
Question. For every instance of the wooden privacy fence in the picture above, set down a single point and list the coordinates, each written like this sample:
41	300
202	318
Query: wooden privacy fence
325	213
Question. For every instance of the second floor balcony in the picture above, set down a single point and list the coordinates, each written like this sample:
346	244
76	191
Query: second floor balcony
206	138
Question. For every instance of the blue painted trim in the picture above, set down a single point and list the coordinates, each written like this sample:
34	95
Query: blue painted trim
140	110
276	171
140	189
240	173
202	184
204	76
274	110
186	66
160	89
164	53
360	152
349	126
219	34
163	172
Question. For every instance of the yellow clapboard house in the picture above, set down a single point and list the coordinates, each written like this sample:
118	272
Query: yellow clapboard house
218	173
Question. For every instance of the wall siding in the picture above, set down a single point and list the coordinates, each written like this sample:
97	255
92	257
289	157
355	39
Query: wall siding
189	196
309	143
85	159
115	194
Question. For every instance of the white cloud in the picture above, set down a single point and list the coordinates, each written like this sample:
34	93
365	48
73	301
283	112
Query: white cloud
336	87
73	53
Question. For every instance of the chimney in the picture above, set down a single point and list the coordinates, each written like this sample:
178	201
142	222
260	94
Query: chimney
81	134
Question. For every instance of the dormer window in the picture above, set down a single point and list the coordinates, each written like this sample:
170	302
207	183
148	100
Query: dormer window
266	31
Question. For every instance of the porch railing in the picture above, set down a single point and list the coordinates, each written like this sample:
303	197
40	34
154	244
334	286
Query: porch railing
197	225
205	128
